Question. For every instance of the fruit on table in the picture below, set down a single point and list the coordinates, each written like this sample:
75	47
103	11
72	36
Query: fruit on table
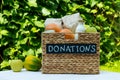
91	30
68	33
53	26
16	65
32	63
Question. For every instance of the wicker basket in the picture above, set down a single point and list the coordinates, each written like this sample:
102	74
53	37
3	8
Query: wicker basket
71	62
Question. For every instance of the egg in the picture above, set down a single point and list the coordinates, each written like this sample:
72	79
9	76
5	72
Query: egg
53	26
68	33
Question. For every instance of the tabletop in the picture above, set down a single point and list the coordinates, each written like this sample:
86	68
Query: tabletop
30	75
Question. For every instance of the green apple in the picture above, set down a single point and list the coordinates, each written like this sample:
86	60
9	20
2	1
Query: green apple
91	30
16	65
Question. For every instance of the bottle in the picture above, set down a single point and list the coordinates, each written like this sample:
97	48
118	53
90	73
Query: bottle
80	27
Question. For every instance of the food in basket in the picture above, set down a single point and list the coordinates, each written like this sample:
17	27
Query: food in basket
80	27
68	33
49	31
69	24
32	63
91	30
53	26
57	21
16	65
71	21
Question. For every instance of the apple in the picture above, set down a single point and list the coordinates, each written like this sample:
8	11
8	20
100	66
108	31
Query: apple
16	65
91	30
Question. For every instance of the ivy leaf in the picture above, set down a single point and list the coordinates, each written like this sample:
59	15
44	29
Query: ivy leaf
106	7
94	11
23	41
45	11
75	6
3	41
100	5
2	19
6	12
32	3
34	29
4	64
110	55
93	2
101	17
29	52
4	32
66	1
16	5
39	23
39	50
109	13
108	33
115	15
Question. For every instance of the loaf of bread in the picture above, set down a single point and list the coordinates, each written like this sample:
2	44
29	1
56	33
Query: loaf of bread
71	21
57	21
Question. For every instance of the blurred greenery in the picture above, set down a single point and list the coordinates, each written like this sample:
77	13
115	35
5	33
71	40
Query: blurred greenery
111	66
22	22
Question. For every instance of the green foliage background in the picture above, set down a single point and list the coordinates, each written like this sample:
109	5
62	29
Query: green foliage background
22	21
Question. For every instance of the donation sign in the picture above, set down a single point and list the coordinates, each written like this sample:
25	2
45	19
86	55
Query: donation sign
71	48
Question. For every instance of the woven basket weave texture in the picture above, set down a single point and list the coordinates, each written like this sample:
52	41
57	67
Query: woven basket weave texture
70	63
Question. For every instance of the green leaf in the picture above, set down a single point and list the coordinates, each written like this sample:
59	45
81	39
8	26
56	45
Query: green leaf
101	17
39	50
66	1
6	12
100	5
45	11
4	32
2	19
109	13
116	15
16	4
94	11
93	2
29	52
34	29
24	24
74	7
32	3
4	42
107	7
108	33
23	41
39	23
110	55
4	64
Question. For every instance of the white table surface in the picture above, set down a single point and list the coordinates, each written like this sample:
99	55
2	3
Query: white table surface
29	75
